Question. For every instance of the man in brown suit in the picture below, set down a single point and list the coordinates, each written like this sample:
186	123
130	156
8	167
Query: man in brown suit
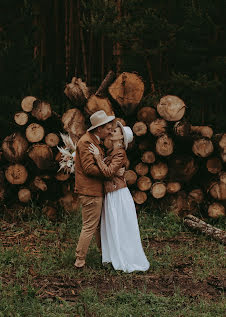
89	182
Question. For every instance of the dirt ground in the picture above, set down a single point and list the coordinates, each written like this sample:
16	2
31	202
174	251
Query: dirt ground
180	277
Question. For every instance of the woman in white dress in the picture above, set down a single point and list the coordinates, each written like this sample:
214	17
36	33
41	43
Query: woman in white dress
120	236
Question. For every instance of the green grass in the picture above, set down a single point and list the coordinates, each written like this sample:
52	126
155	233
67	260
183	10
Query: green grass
38	277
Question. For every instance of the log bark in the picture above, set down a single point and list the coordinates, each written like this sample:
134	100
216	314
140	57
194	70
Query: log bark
196	195
158	127
144	183
171	108
200	225
131	177
101	91
139	128
34	132
182	168
128	91
21	118
139	197
74	123
159	170
158	190
164	145
16	174
148	157
222	146
147	115
41	155
52	139
14	147
95	103
41	110
202	147
27	103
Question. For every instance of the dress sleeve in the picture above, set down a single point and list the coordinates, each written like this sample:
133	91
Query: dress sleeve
115	164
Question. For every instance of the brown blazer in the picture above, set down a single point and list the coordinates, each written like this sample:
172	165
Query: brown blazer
109	167
88	177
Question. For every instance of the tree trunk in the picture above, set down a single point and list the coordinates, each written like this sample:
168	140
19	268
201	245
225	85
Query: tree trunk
214	165
74	123
41	110
216	210
27	103
52	139
21	118
148	157
139	197
144	183
141	169
146	114
41	155
96	103
202	147
24	195
102	90
158	190
131	177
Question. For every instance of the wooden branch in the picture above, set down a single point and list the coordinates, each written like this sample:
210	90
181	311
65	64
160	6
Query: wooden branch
200	225
105	84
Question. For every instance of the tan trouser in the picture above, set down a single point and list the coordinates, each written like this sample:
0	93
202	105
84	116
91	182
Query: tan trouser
91	211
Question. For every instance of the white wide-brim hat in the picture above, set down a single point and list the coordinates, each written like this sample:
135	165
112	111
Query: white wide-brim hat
99	118
127	134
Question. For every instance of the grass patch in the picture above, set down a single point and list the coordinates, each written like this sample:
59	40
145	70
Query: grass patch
38	277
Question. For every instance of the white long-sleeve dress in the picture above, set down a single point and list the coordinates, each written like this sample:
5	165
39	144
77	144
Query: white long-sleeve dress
120	236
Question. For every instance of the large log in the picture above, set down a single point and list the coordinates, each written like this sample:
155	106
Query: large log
52	139
24	195
21	118
101	91
182	128
139	197
146	114
164	145
16	174
141	169
158	127
173	187
222	145
202	147
171	108
159	170
27	103
216	210
217	190
35	132
95	103
128	91
205	131
74	123
131	177
14	147
200	225
144	183
158	190
41	155
148	157
41	110
139	128
182	168
77	91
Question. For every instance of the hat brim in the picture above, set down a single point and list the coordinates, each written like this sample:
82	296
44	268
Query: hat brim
124	134
109	119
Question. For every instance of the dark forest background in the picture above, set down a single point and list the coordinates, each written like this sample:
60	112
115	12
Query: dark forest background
177	46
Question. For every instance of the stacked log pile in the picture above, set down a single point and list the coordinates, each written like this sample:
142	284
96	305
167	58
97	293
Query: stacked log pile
170	160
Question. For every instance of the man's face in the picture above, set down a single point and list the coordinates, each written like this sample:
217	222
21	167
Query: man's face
105	131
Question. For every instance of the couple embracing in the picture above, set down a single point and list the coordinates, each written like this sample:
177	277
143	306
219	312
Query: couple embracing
108	209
